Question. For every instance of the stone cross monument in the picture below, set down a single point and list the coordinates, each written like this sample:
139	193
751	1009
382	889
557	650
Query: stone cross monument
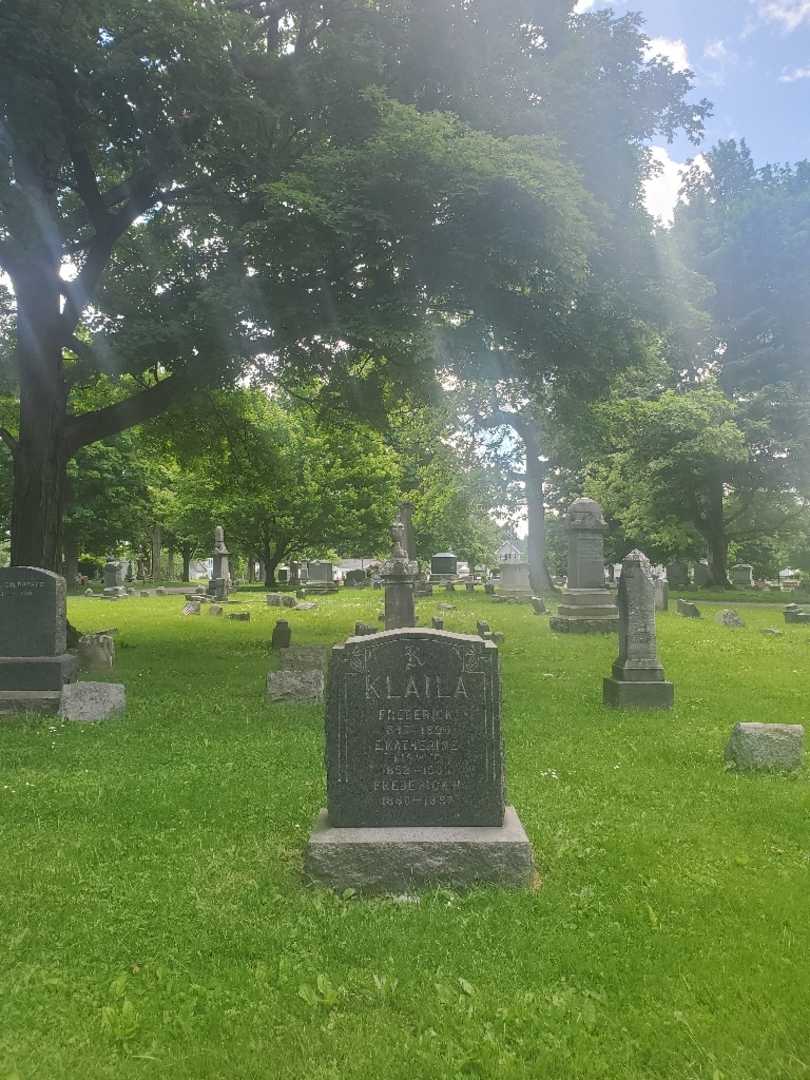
399	574
638	677
586	606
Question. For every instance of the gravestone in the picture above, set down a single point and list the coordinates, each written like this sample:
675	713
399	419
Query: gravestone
489	588
239	616
281	636
586	606
688	609
638	680
321	577
661	594
730	619
514	580
294	685
778	747
304	658
742	576
443	566
469	586
678	574
482	628
437	624
399	575
89	702
96	652
701	574
415	783
794	614
539	605
34	662
218	586
113	574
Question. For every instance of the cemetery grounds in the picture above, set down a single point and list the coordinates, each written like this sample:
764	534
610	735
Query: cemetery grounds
154	923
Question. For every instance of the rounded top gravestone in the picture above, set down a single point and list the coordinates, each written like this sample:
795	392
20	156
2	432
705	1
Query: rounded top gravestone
32	612
413	731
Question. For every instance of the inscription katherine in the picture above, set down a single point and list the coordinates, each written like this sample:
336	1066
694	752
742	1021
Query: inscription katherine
413	731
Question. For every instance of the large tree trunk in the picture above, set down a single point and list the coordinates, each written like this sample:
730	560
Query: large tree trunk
536	509
40	455
185	553
170	565
156	546
714	532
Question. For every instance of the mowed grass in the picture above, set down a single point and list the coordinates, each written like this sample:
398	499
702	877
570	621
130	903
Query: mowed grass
154	921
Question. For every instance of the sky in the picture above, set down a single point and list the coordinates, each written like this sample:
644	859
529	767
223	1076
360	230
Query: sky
750	58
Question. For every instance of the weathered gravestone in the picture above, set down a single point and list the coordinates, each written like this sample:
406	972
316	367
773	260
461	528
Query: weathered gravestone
586	606
539	605
678	574
34	662
282	635
443	566
766	747
688	609
514	580
742	576
437	624
321	577
661	594
218	585
414	759
399	575
729	618
113	573
701	574
638	677
794	614
96	652
301	677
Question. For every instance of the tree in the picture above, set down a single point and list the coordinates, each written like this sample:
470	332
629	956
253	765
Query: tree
283	481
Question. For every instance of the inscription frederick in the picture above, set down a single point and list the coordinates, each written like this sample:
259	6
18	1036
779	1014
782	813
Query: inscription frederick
413	731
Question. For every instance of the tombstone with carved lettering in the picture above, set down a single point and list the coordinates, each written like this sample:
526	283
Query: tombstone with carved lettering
414	760
638	679
586	605
34	662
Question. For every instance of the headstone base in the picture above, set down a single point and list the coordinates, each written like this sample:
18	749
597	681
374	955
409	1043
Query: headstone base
617	694
34	701
398	859
37	673
578	624
586	611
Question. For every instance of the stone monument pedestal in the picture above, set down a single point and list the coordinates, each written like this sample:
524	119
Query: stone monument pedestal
586	611
629	694
397	859
586	606
515	580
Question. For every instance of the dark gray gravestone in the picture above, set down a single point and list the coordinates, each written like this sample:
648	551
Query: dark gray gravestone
282	635
34	665
32	612
688	609
413	731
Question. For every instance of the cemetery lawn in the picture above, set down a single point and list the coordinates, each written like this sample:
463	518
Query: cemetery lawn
154	923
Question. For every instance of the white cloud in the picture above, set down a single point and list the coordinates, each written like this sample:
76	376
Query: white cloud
672	49
790	13
794	74
716	50
661	190
582	6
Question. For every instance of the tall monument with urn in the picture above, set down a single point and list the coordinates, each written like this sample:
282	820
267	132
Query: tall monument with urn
586	605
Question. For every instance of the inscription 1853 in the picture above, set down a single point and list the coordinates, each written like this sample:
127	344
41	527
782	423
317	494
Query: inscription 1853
413	731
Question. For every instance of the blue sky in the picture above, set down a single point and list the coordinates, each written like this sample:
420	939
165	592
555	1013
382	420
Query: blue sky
751	58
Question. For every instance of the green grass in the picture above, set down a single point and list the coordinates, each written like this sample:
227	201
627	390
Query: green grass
154	924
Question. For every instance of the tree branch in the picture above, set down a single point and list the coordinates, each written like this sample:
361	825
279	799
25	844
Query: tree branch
81	290
102	423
